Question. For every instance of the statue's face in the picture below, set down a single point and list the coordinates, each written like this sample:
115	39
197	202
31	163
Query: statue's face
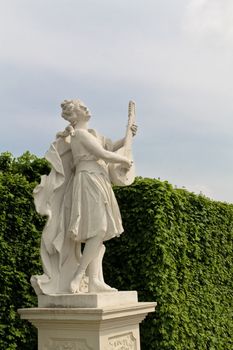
80	113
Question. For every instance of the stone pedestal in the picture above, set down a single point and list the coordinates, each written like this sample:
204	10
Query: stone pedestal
108	325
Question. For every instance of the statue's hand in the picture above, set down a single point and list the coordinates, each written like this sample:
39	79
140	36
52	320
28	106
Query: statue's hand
126	163
134	129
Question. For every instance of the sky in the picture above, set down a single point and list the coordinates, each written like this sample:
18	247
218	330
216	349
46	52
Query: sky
172	57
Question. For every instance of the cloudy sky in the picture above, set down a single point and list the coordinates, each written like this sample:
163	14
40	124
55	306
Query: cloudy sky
173	57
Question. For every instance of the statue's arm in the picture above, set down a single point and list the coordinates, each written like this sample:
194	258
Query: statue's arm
120	143
95	148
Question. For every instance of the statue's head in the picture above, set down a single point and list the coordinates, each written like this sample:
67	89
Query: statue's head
74	110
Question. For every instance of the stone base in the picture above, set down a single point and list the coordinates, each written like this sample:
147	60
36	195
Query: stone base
87	300
108	327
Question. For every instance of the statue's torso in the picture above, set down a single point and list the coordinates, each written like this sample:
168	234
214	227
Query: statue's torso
83	159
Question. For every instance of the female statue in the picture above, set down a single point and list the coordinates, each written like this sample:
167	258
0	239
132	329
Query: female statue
80	204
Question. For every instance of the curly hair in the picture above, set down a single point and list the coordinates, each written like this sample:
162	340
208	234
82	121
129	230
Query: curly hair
70	106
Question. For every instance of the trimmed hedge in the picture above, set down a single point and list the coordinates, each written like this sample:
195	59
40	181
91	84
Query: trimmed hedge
20	231
176	250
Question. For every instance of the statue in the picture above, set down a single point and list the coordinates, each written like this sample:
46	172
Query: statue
81	207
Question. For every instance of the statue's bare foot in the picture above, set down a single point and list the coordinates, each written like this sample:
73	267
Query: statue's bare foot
75	284
95	286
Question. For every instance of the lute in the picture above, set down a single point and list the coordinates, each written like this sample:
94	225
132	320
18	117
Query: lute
119	175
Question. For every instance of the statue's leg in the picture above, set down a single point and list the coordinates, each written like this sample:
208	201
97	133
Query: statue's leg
91	250
95	272
100	263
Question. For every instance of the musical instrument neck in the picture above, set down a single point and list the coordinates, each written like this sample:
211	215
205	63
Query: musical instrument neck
129	133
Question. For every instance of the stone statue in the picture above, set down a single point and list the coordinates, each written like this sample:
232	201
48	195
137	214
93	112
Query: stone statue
81	207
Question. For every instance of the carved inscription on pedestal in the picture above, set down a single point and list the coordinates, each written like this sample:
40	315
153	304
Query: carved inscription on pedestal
122	342
71	344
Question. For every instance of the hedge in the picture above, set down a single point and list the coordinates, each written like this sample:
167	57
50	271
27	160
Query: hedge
20	231
176	250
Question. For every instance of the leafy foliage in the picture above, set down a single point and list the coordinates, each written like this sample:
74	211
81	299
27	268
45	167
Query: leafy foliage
28	165
176	250
20	229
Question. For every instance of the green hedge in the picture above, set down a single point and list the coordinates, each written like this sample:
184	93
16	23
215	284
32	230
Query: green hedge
176	250
20	231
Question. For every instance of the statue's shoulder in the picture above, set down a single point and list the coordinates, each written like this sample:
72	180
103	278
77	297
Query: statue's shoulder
94	132
82	135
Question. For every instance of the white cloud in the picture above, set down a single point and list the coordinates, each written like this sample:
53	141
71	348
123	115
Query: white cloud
74	37
106	52
210	20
